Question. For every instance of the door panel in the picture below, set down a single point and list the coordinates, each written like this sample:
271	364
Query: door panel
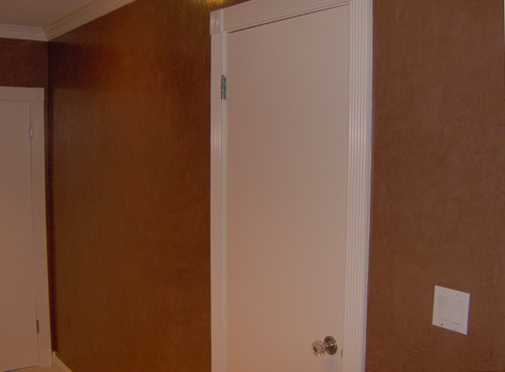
18	336
286	192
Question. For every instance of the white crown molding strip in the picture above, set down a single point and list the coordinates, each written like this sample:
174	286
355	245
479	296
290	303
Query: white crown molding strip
59	365
22	32
82	16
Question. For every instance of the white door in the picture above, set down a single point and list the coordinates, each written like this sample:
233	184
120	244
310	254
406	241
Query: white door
284	158
19	233
287	191
18	343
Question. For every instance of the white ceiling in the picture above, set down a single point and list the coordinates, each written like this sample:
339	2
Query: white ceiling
46	19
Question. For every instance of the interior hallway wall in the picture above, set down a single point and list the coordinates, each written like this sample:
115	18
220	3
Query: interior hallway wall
438	200
130	109
23	63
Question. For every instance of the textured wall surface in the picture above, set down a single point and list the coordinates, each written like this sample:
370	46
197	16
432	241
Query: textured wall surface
23	63
131	165
130	173
438	200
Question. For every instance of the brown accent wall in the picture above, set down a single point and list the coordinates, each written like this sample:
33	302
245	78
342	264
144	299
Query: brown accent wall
130	109
23	63
130	154
438	200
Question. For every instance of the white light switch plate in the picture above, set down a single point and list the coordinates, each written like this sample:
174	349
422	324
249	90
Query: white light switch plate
450	309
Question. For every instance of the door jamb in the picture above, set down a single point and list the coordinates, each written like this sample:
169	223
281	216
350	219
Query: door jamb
35	96
258	12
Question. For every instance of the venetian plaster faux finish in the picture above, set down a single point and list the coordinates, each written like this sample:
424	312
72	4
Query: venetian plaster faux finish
23	63
130	114
438	200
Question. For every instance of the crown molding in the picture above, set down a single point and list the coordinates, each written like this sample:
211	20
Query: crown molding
22	32
82	16
68	23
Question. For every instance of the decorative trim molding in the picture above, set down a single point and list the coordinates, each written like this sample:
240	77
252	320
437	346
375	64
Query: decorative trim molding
21	94
216	22
360	138
22	32
217	203
59	365
82	16
68	23
255	13
39	229
360	153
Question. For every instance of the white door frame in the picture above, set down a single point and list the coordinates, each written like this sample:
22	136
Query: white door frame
35	96
254	13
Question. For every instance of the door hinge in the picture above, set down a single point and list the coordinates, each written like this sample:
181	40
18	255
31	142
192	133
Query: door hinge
224	87
31	131
38	327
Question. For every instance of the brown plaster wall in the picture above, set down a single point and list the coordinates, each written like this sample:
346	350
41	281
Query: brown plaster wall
130	156
23	63
130	113
438	200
